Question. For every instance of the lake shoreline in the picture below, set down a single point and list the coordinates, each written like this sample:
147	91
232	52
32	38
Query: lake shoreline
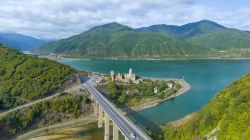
184	88
182	120
59	57
201	74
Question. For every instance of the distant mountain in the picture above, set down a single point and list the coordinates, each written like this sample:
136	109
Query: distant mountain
223	39
114	26
184	31
20	42
116	40
199	39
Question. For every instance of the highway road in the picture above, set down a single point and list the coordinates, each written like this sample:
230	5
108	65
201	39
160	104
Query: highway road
126	126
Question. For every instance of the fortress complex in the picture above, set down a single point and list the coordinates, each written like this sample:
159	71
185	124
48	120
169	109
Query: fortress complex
130	76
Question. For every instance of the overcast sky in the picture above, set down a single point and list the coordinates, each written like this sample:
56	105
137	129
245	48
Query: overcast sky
55	19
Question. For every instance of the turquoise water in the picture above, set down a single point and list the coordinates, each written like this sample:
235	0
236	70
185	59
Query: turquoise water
207	77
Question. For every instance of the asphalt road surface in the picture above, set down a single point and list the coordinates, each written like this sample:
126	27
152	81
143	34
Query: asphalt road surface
127	127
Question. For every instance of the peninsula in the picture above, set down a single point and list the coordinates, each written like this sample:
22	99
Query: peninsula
131	92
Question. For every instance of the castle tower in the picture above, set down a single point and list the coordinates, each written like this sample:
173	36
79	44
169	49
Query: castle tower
130	71
112	75
119	76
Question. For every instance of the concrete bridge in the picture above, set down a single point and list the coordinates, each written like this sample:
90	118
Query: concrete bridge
108	114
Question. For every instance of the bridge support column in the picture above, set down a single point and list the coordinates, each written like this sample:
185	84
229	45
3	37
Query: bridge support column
95	108
92	97
106	131
115	132
100	118
126	138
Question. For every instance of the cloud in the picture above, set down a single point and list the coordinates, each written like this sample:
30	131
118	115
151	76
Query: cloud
57	19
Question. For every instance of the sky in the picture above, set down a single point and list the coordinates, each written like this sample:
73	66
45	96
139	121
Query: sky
56	19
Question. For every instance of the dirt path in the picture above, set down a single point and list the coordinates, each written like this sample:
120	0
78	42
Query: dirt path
35	102
57	127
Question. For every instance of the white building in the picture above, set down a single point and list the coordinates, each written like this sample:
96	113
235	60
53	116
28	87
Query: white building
130	75
156	90
170	85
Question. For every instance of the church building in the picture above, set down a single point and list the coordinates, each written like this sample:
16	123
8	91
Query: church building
130	76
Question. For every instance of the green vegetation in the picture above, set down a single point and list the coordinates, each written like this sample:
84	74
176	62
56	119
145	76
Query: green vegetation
199	39
44	113
184	31
24	78
135	94
115	40
223	39
229	112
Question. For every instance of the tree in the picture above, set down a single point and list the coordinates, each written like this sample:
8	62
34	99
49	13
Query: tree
123	98
112	89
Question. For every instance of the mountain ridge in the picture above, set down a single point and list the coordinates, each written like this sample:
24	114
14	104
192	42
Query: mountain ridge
20	41
157	41
183	31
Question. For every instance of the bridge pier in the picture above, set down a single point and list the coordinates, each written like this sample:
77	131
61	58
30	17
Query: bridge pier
115	132
92	97
106	130
100	118
104	121
126	138
120	122
96	105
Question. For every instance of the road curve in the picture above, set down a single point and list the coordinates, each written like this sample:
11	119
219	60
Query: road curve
123	123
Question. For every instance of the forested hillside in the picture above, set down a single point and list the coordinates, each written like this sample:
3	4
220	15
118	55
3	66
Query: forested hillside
193	40
20	42
223	39
116	40
25	78
228	112
61	109
184	31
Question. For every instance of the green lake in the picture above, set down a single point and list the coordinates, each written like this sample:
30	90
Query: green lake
207	77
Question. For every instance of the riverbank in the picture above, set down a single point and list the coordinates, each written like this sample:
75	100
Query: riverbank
184	87
182	120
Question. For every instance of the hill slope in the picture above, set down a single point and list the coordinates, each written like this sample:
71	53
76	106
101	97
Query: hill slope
223	39
184	31
20	42
60	109
24	78
229	112
116	40
199	39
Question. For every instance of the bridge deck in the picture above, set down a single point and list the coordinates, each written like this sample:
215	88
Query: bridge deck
123	123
